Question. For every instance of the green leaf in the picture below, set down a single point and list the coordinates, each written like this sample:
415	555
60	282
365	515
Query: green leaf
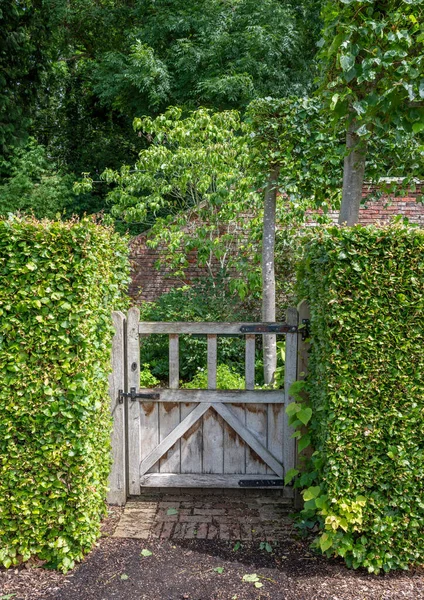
219	570
304	442
146	552
124	576
250	578
172	511
311	492
304	415
290	475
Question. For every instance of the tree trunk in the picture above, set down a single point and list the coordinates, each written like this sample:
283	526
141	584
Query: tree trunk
268	275
353	177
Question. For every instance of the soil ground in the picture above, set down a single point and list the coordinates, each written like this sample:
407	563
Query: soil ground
193	569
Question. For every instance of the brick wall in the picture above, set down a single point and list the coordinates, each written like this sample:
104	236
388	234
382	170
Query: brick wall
148	283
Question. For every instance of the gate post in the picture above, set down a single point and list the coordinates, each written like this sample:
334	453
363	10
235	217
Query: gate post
290	375
117	478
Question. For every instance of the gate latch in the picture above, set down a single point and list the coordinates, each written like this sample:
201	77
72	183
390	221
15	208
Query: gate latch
133	395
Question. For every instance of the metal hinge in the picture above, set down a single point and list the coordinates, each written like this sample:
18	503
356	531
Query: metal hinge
261	483
305	329
133	395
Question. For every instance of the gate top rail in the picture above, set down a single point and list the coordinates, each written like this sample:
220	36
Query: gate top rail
209	328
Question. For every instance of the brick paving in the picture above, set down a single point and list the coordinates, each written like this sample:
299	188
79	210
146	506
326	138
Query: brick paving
254	515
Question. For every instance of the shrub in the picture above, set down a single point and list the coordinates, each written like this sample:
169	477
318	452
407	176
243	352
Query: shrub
59	283
366	389
226	379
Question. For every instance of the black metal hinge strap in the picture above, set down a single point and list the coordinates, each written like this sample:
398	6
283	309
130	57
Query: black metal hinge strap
133	395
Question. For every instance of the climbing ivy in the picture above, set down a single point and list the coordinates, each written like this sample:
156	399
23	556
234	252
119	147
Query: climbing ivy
58	285
365	287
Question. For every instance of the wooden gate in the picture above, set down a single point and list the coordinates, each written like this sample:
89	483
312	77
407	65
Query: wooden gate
199	438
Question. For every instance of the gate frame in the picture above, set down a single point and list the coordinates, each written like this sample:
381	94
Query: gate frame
126	374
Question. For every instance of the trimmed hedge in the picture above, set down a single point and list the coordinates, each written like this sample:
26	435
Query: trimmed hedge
59	282
365	287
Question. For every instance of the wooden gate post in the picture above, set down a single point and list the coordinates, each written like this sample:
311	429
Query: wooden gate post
290	375
133	408
302	370
117	478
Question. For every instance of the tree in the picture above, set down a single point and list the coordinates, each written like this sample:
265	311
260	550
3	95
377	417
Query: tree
35	185
213	168
373	60
26	41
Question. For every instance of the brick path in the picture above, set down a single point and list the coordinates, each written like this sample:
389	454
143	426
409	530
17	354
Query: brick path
249	515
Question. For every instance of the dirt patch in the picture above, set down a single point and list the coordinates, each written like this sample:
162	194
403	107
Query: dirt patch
206	570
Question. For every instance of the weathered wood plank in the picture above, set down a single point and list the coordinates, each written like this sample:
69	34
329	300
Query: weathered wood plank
257	421
169	418
213	443
250	362
117	493
191	443
169	412
196	328
249	438
170	439
226	396
174	361
234	446
163	480
212	361
133	408
290	375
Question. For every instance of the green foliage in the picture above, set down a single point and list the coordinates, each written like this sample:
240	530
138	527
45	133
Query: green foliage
147	379
226	379
34	185
59	284
365	287
372	56
205	301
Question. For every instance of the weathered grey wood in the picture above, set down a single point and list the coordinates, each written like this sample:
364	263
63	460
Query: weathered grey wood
290	375
275	416
234	446
249	438
117	493
174	436
160	480
169	418
213	443
303	346
169	412
257	421
226	396
212	361
250	362
195	328
174	361
302	370
133	380
191	443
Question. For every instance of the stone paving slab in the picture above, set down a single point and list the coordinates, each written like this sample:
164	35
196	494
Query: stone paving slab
244	517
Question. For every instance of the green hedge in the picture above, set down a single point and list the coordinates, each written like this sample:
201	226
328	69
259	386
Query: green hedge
365	287
59	283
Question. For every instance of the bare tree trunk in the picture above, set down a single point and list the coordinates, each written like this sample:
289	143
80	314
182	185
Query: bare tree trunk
353	177
268	274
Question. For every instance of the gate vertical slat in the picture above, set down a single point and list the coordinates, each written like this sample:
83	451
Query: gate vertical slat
290	375
169	412
250	362
133	409
213	427
117	478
